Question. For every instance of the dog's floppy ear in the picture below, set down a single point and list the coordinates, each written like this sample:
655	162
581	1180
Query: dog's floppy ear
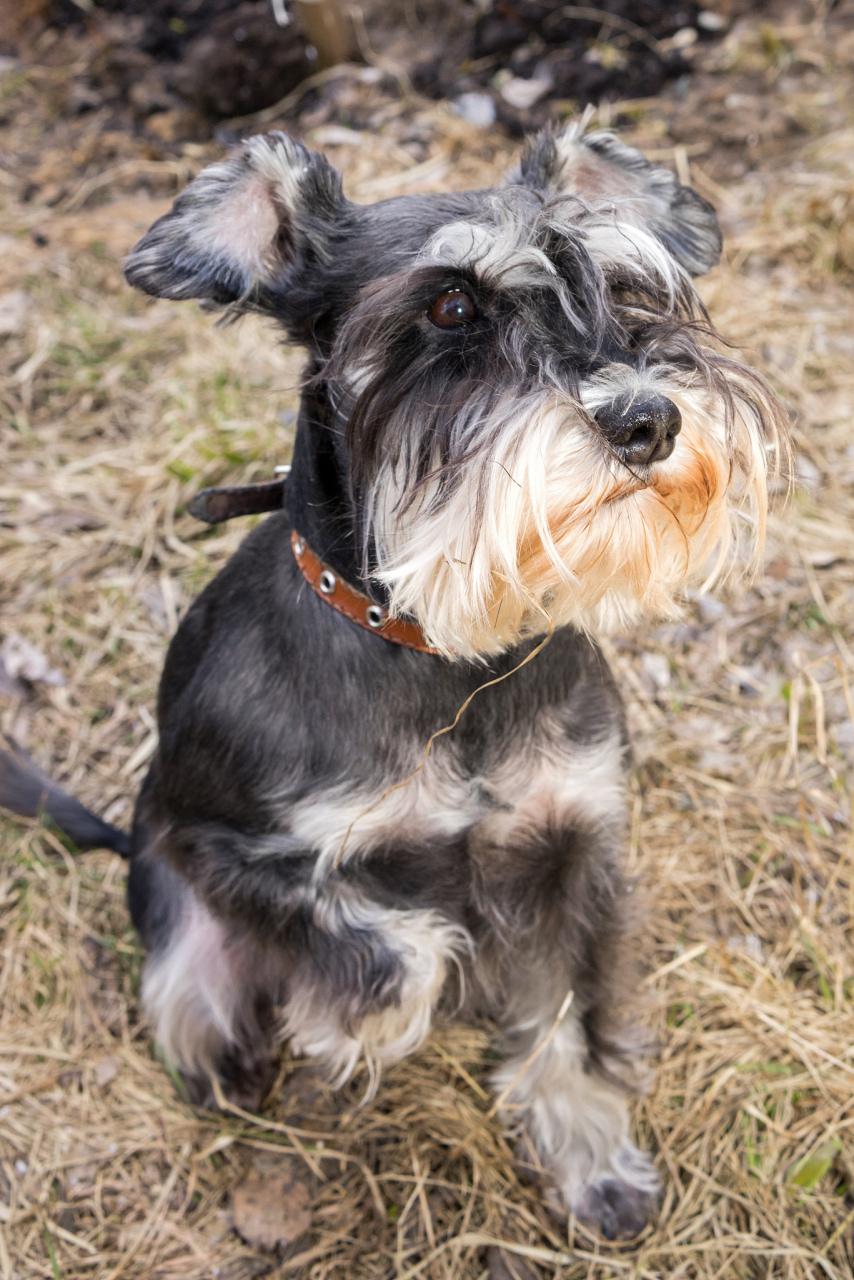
243	227
597	166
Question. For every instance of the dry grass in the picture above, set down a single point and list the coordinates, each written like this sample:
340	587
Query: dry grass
116	411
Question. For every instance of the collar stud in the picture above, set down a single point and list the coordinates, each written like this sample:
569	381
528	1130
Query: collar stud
353	604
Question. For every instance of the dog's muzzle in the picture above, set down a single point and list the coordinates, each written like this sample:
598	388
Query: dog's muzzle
640	430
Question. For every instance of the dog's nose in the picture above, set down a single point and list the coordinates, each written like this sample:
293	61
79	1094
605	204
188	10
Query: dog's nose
640	429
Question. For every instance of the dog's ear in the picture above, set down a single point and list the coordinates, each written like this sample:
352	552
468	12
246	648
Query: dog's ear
244	227
597	166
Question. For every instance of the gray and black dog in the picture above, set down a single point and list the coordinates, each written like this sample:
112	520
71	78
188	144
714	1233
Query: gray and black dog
515	426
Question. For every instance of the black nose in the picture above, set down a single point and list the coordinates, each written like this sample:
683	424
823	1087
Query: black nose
641	429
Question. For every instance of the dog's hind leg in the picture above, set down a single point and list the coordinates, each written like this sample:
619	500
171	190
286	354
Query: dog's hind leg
554	973
207	989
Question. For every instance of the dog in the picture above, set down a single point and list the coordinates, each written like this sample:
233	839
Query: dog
516	434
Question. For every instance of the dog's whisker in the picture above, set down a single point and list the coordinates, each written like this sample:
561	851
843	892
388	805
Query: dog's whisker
507	473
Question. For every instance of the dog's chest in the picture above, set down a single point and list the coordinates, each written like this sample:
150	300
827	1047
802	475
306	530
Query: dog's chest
543	779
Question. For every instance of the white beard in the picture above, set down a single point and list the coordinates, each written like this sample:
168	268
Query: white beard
549	524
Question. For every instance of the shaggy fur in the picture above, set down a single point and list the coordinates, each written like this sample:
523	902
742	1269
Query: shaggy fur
569	449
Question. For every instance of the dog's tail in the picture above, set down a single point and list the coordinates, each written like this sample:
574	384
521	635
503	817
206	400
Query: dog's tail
27	791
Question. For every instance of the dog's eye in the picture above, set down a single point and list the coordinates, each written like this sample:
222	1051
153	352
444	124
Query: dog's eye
452	310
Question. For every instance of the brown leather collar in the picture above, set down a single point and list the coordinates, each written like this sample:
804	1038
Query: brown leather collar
216	505
355	606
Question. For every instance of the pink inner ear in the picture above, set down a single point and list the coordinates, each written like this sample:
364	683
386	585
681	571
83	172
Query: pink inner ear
243	228
585	174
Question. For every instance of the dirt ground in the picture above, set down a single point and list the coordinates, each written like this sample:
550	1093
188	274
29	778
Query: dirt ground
116	409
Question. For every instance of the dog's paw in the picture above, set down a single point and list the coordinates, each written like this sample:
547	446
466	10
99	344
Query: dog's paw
618	1203
619	1210
243	1081
621	1201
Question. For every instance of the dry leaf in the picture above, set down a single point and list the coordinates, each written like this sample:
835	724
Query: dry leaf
271	1211
70	520
809	1171
21	659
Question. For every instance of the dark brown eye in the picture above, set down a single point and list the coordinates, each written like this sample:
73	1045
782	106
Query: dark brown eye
452	310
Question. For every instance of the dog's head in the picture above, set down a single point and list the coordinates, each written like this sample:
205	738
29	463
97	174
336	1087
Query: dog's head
527	403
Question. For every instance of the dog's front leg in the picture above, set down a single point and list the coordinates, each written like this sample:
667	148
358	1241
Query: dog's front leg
368	980
341	975
577	1121
554	968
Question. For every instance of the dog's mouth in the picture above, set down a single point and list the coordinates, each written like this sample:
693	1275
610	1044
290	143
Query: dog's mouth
638	479
689	483
633	484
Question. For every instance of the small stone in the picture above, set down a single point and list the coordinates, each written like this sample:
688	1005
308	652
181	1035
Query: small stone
720	763
477	108
700	729
523	94
807	472
15	307
748	944
710	21
709	609
657	668
106	1069
683	38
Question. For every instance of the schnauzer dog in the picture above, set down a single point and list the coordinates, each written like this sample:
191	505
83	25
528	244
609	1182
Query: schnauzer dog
515	434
